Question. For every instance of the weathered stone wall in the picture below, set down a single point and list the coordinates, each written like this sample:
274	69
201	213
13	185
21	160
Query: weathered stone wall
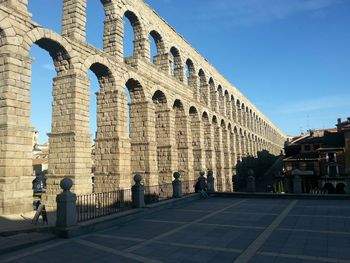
176	123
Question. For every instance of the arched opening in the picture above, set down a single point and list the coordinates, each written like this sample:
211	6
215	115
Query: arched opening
340	189
131	34
175	63
162	132
213	98
207	141
190	73
156	48
196	142
181	140
43	72
203	87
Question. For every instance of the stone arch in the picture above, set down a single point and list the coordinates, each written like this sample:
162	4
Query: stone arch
59	49
190	73
134	19
213	97
175	60
221	99
208	141
8	34
203	87
160	46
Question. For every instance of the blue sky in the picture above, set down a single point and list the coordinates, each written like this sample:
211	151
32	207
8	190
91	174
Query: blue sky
290	57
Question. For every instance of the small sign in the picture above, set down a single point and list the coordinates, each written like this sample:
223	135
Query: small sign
40	211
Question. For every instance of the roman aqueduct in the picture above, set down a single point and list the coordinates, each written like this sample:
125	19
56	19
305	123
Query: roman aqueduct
184	116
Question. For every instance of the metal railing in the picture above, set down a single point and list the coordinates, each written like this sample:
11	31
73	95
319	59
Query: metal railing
102	204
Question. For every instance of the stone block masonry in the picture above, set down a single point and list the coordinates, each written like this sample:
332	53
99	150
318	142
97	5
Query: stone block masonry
177	121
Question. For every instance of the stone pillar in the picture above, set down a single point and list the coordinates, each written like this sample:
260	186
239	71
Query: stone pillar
193	83
70	145
197	145
177	186
113	31
15	135
204	92
210	182
74	19
219	154
138	192
66	215
112	146
227	160
162	61
184	146
164	132
143	142
238	147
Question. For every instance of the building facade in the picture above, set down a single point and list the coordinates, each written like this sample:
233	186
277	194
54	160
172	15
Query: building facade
178	121
321	159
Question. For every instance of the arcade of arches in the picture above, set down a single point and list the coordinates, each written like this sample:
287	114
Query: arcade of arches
182	114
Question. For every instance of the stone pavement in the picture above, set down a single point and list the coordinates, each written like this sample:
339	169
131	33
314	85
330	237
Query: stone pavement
214	230
17	231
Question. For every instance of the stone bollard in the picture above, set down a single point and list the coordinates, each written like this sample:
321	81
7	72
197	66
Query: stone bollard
210	181
66	205
177	186
297	184
202	181
138	192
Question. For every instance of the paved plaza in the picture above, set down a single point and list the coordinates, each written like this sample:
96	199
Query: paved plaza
213	230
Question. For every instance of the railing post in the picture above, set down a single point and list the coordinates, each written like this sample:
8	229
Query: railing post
138	192
66	205
210	180
177	186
